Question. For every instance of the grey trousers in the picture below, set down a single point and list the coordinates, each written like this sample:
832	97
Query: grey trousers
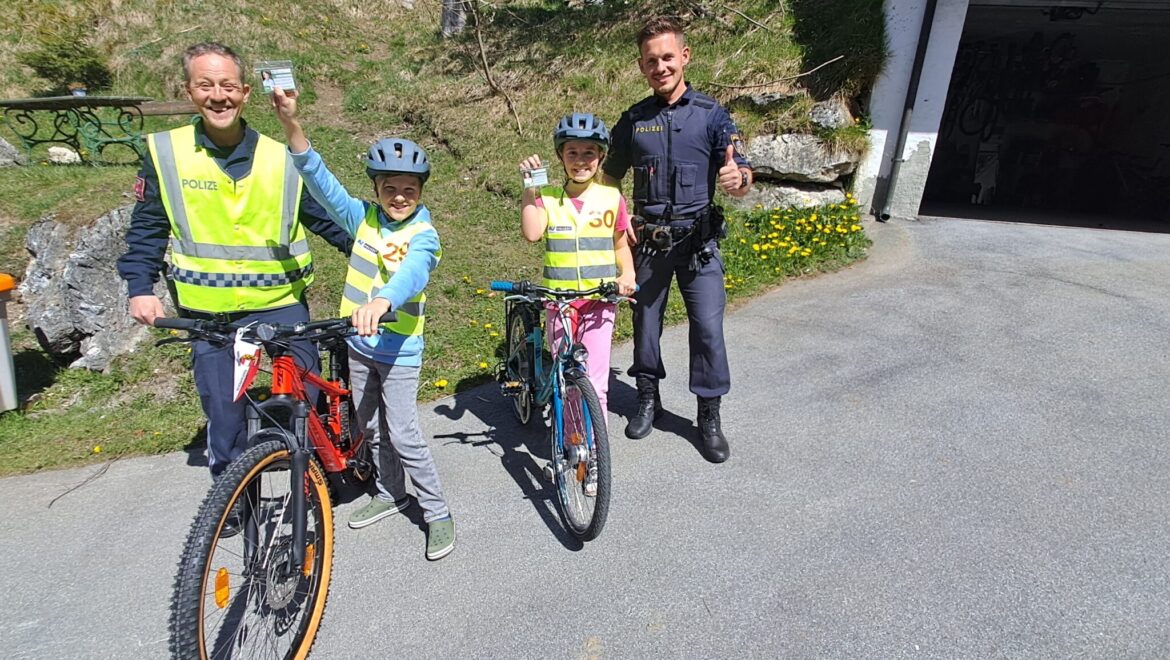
384	396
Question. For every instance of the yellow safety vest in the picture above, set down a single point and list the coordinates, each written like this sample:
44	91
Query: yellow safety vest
374	260
235	245
578	246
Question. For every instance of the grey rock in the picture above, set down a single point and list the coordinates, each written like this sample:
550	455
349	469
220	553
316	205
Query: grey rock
46	311
75	301
10	155
63	156
795	157
783	196
831	114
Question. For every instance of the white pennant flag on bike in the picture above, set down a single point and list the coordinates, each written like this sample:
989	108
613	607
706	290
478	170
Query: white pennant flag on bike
247	363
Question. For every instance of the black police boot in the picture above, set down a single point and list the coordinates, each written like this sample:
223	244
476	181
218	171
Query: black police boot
649	409
714	445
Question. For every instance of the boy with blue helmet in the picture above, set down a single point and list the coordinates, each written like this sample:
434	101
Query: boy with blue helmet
395	249
583	223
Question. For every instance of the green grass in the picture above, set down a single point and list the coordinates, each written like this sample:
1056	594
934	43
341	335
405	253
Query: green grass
360	84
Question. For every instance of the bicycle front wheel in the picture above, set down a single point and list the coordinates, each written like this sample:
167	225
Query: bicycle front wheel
238	595
580	454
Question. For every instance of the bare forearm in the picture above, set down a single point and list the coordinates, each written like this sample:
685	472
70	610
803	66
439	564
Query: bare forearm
295	135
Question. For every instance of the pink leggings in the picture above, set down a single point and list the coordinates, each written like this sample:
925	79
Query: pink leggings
595	331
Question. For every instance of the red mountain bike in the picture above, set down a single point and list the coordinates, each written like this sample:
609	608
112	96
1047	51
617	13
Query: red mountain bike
254	574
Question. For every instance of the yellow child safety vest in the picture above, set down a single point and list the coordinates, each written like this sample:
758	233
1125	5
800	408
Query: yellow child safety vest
235	245
372	263
578	246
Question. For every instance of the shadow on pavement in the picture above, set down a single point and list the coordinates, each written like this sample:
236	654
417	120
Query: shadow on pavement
518	447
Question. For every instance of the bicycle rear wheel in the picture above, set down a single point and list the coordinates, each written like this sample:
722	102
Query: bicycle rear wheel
519	360
580	445
237	595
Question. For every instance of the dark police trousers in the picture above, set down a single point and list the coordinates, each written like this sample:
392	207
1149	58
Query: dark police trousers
705	298
214	380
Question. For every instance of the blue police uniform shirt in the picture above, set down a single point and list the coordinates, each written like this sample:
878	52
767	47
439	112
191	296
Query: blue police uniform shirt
150	229
675	151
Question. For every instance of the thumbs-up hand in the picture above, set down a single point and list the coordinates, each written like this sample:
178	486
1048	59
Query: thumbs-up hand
730	178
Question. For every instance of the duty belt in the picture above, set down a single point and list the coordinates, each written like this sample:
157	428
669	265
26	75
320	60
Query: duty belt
678	232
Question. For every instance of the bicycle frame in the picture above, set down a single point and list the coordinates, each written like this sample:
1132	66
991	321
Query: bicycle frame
549	382
288	388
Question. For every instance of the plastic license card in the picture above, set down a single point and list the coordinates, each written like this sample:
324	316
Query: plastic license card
276	73
535	178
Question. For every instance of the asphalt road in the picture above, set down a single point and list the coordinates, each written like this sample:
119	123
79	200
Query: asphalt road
955	449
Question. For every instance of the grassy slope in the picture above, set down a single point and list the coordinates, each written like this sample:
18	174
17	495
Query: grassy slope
362	82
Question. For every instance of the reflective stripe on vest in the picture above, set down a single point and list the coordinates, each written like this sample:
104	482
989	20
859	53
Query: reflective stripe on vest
235	245
578	246
372	262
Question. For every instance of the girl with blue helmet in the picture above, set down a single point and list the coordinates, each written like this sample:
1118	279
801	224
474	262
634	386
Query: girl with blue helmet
584	225
395	249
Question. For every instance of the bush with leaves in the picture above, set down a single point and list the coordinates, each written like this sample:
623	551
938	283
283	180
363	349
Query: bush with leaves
63	56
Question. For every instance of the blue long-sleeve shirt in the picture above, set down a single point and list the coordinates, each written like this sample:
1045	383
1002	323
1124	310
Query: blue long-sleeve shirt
413	272
150	229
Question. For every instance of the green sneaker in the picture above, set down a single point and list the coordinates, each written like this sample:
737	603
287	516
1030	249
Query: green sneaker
375	510
440	538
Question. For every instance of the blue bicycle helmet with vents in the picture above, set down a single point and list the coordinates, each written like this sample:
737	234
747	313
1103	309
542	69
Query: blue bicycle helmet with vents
397	156
581	126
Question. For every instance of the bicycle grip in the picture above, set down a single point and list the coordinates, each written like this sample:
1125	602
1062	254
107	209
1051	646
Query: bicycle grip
389	317
506	287
175	324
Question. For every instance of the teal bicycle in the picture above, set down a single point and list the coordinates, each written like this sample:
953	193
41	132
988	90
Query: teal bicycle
535	377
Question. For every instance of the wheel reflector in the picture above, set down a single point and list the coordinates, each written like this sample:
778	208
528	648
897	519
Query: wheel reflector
222	588
310	553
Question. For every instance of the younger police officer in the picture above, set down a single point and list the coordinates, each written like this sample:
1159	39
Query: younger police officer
233	209
680	144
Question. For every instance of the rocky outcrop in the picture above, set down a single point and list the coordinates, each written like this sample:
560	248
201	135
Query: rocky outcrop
796	157
831	114
790	195
9	155
75	303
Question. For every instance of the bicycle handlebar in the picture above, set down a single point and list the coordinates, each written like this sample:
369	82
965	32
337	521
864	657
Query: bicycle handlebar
224	332
526	288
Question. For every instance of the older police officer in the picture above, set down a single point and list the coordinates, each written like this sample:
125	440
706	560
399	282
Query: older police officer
233	209
680	144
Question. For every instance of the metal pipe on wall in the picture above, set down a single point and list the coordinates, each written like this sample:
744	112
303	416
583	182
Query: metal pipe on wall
908	108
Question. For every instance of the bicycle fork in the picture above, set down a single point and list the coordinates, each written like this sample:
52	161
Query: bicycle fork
298	489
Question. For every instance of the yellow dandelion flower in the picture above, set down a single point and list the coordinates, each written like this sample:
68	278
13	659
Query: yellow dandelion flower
466	279
97	449
487	326
441	383
483	365
756	247
493	333
479	292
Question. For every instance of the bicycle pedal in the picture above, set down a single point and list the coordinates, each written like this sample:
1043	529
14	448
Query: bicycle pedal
550	472
512	387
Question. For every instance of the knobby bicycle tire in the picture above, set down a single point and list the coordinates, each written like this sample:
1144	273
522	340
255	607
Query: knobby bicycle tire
243	479
568	484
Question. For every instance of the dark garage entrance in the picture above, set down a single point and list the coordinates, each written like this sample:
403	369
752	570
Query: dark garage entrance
1058	112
